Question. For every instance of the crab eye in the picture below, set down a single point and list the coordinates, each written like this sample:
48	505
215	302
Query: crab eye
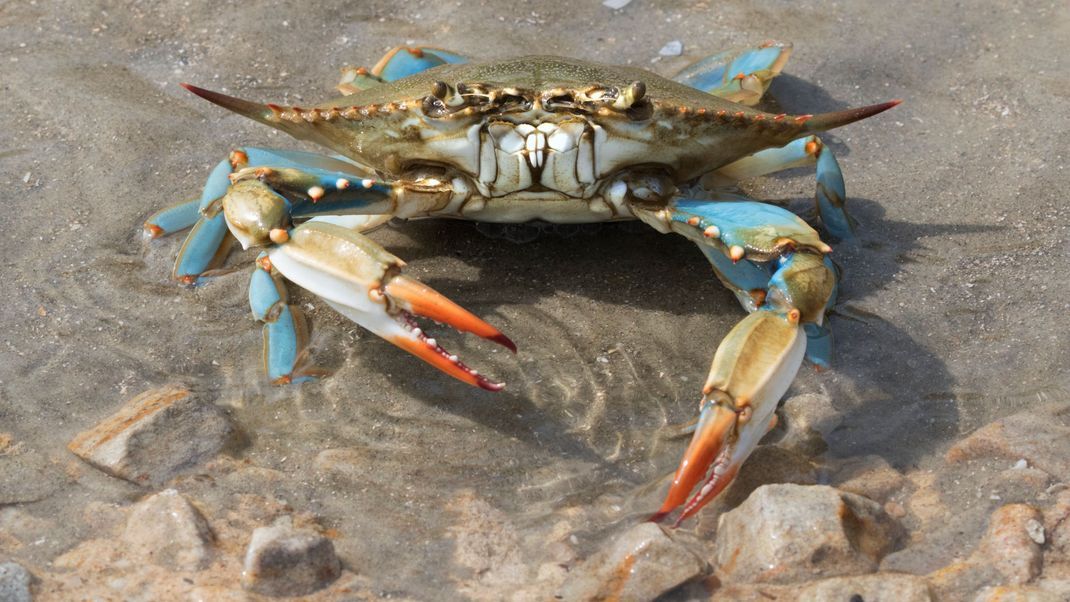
433	106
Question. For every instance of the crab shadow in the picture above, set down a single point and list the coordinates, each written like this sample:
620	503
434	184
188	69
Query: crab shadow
892	388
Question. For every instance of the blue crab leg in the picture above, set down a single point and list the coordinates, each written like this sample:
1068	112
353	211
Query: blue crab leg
741	75
285	328
314	191
363	282
399	62
206	245
757	361
404	61
830	196
173	219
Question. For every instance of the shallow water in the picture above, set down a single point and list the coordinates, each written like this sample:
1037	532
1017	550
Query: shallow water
949	317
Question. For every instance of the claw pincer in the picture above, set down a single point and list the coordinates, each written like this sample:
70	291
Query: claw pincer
363	282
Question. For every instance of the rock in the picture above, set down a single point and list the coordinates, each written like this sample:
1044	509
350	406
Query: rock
868	476
1016	594
284	561
789	533
154	436
1009	543
768	464
878	587
1057	536
958	579
1041	436
14	583
641	564
167	530
806	420
751	592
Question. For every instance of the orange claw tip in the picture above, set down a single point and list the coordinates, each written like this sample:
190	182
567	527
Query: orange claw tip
711	437
422	300
432	353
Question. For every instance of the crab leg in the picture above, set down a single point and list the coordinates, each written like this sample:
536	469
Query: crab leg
285	329
173	219
830	196
757	361
399	62
207	245
363	281
741	75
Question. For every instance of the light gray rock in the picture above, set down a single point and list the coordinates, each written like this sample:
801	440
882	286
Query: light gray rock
878	587
166	529
790	533
155	435
14	583
641	564
284	561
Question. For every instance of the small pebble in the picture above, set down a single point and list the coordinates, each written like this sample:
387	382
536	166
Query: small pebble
616	4
673	48
1035	531
1021	464
284	561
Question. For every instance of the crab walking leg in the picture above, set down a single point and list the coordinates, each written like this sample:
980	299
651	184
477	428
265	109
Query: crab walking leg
830	196
363	281
399	62
173	219
207	244
741	75
285	329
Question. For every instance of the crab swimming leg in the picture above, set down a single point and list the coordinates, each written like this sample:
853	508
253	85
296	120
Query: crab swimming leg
759	358
830	197
741	75
363	282
399	62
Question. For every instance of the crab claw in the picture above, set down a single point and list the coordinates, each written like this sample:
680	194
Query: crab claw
751	370
362	281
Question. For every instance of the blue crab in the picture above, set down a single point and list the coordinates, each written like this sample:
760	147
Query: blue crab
426	133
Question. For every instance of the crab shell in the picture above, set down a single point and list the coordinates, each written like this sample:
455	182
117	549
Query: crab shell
533	129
